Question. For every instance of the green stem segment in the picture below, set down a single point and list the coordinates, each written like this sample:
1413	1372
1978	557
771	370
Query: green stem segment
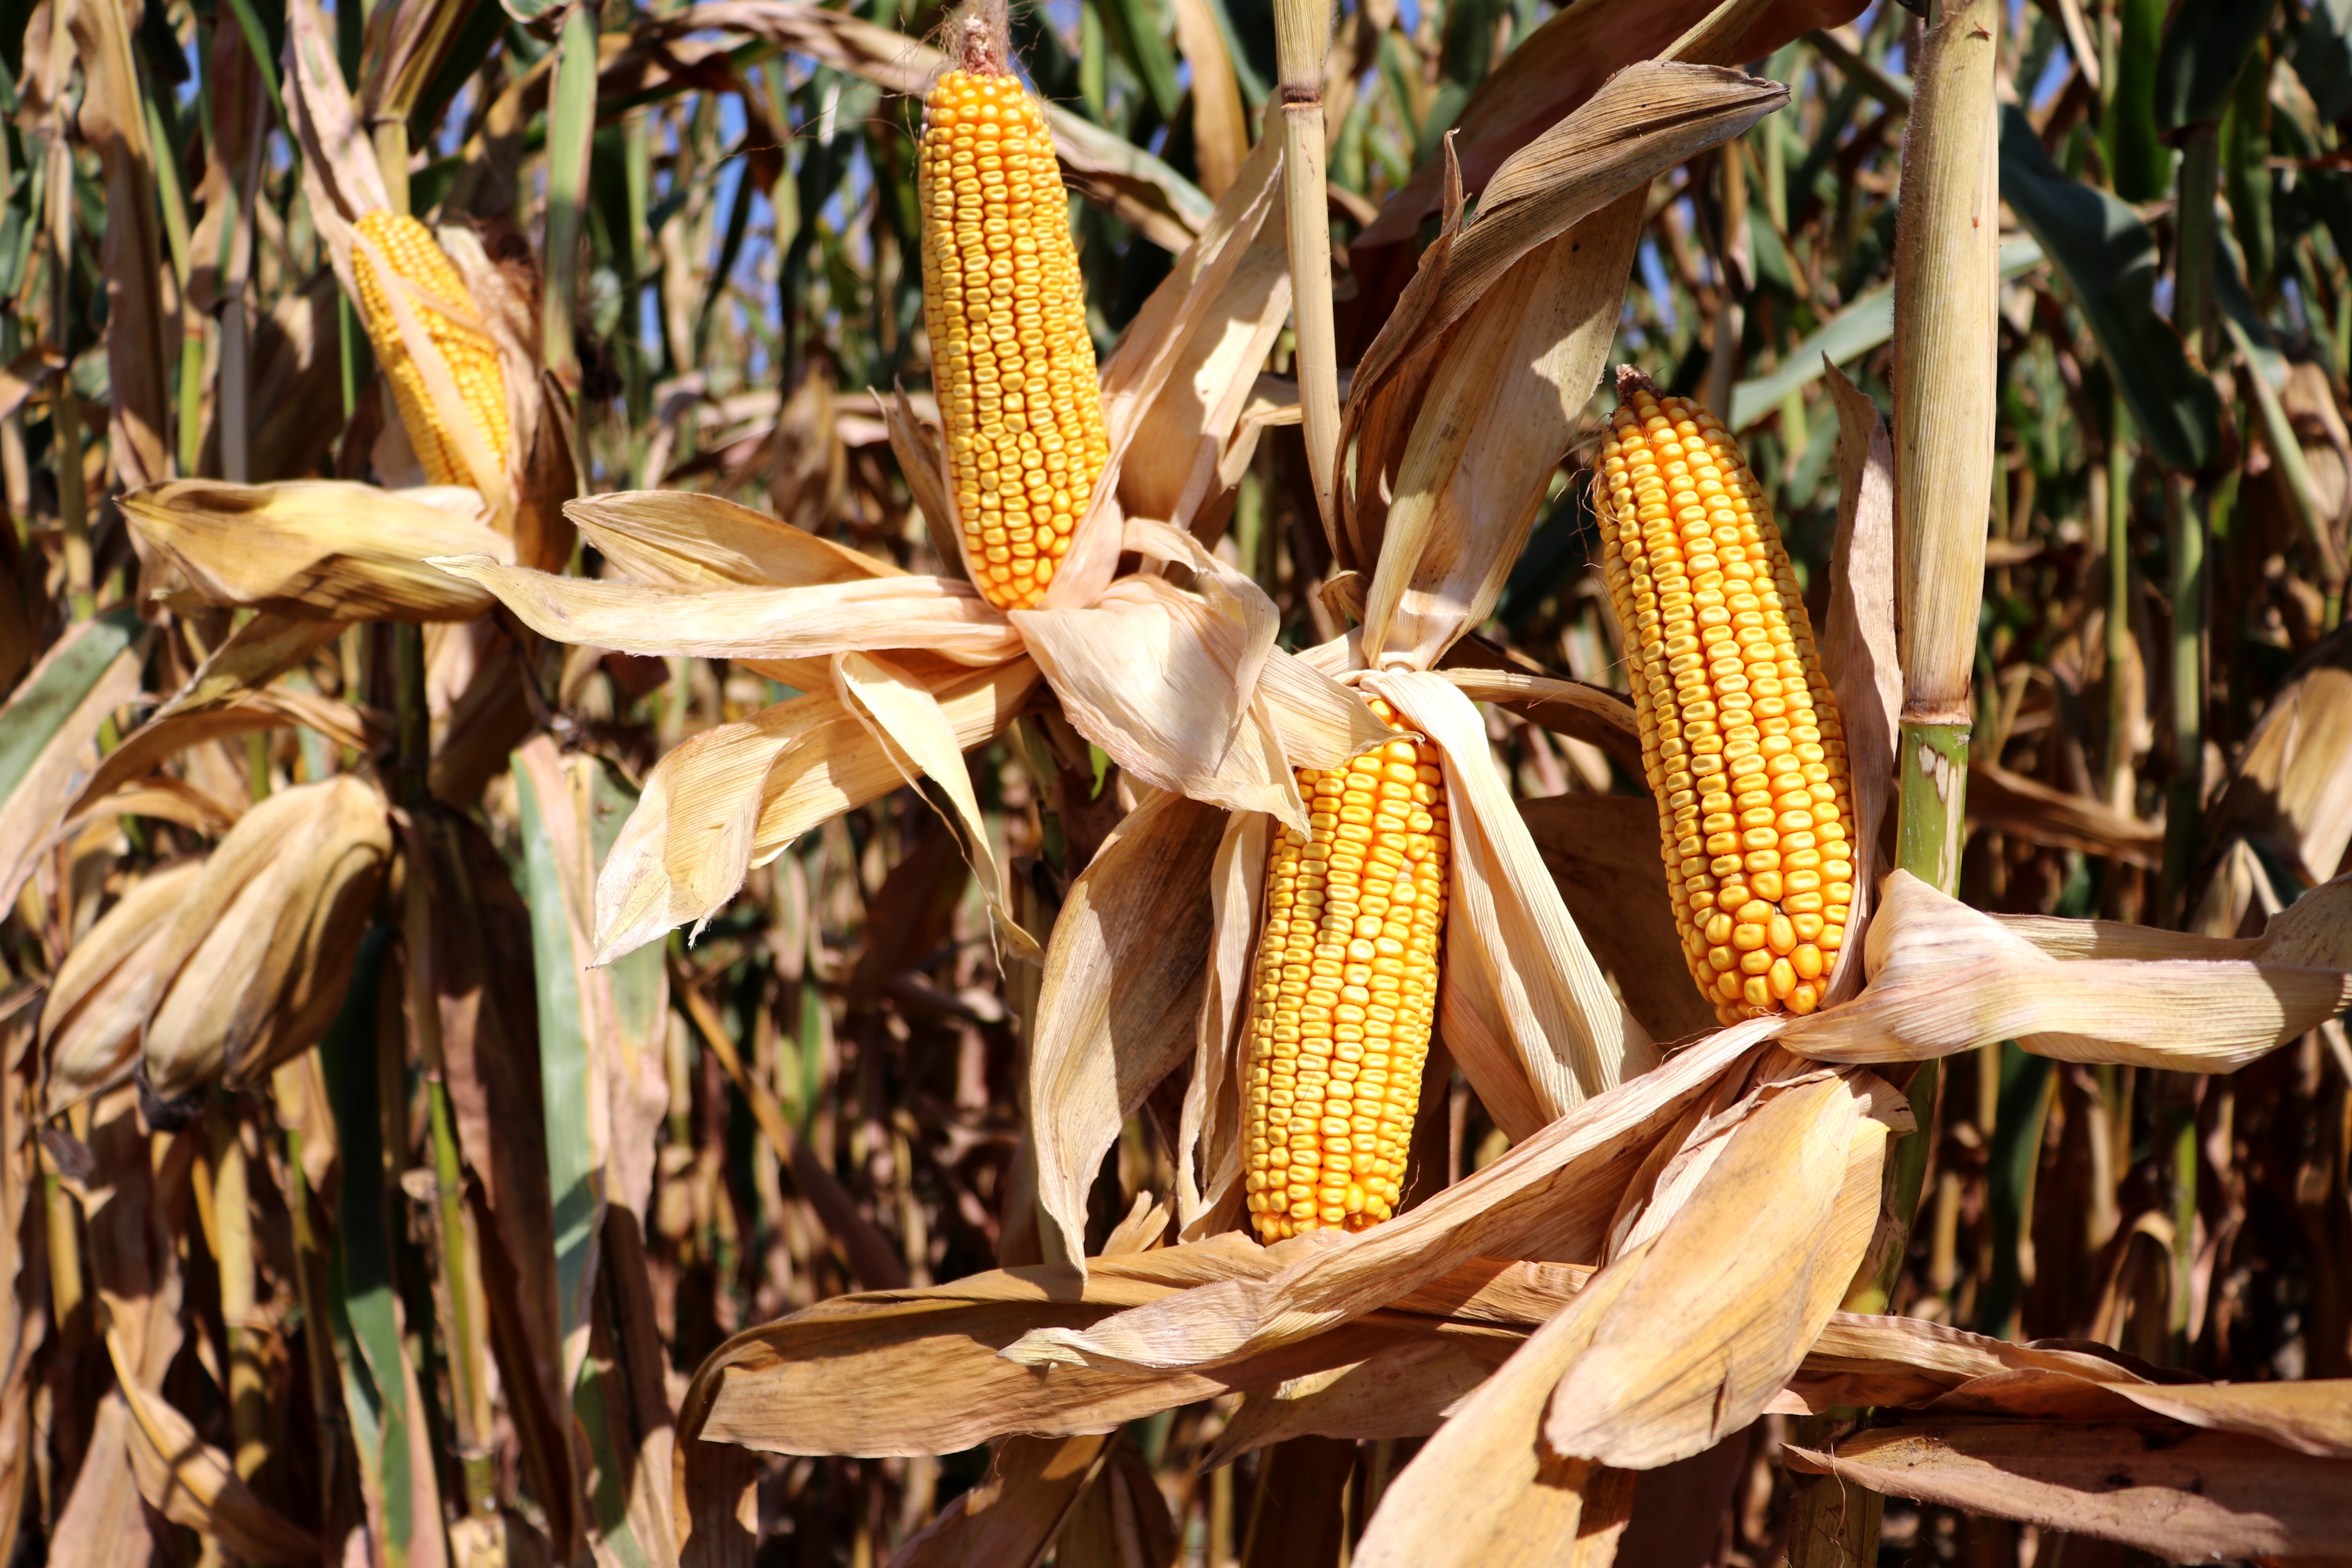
1930	827
572	122
2184	519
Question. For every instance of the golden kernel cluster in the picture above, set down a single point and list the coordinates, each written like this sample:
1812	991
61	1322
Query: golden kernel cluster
446	313
1345	990
1739	732
1011	361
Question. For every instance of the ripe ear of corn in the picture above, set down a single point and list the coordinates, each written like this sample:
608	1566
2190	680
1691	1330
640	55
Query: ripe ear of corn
1344	991
1011	362
446	313
1740	735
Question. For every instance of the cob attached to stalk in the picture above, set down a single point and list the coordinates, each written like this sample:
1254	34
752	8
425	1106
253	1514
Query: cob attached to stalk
1011	362
438	297
1344	991
1740	735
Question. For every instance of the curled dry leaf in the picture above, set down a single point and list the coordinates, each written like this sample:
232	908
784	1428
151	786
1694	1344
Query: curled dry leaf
680	539
271	708
1945	978
192	1483
319	550
100	996
259	950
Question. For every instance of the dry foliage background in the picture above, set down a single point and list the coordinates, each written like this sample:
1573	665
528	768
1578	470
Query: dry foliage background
347	1214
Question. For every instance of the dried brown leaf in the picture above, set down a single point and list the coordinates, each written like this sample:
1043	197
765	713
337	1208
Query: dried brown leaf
1602	852
2183	1494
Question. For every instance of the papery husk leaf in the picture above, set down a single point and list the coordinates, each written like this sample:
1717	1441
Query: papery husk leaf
1164	680
271	708
682	538
1121	1001
922	742
735	795
1731	1292
1945	978
316	549
1551	1197
1156	342
260	951
1482	1490
1321	723
1208	1138
338	155
922	461
1858	646
2182	1494
99	1000
254	654
934	614
1172	466
1508	394
1601	851
192	1483
48	733
1547	1015
1013	1515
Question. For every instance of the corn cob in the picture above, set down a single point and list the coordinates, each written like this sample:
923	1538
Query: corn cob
1739	732
446	311
1345	988
1011	362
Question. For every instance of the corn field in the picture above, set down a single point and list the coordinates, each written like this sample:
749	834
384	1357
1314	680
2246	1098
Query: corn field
1175	783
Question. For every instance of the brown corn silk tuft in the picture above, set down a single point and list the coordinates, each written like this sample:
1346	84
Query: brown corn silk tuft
1740	736
1345	989
1012	365
446	313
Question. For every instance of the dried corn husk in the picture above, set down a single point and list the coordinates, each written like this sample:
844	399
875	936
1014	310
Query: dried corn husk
1121	1000
320	550
681	538
99	999
735	795
259	952
1945	978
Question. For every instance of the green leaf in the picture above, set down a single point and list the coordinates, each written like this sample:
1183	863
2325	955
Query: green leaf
566	1070
2109	259
2137	161
363	1295
40	707
1846	337
2204	49
1134	28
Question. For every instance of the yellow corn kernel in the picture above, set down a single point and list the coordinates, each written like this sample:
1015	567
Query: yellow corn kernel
438	299
1011	362
1740	736
1344	991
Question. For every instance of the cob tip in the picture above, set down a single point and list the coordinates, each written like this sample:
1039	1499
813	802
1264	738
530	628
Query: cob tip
979	37
1632	379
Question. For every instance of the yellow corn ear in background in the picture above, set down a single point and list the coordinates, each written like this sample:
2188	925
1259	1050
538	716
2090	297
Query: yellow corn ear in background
446	311
1739	732
1344	991
1011	361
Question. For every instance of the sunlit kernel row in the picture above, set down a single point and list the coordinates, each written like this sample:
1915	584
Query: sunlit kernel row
1740	734
1012	366
1344	992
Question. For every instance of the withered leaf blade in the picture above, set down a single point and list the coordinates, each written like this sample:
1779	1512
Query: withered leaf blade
2183	1494
683	538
